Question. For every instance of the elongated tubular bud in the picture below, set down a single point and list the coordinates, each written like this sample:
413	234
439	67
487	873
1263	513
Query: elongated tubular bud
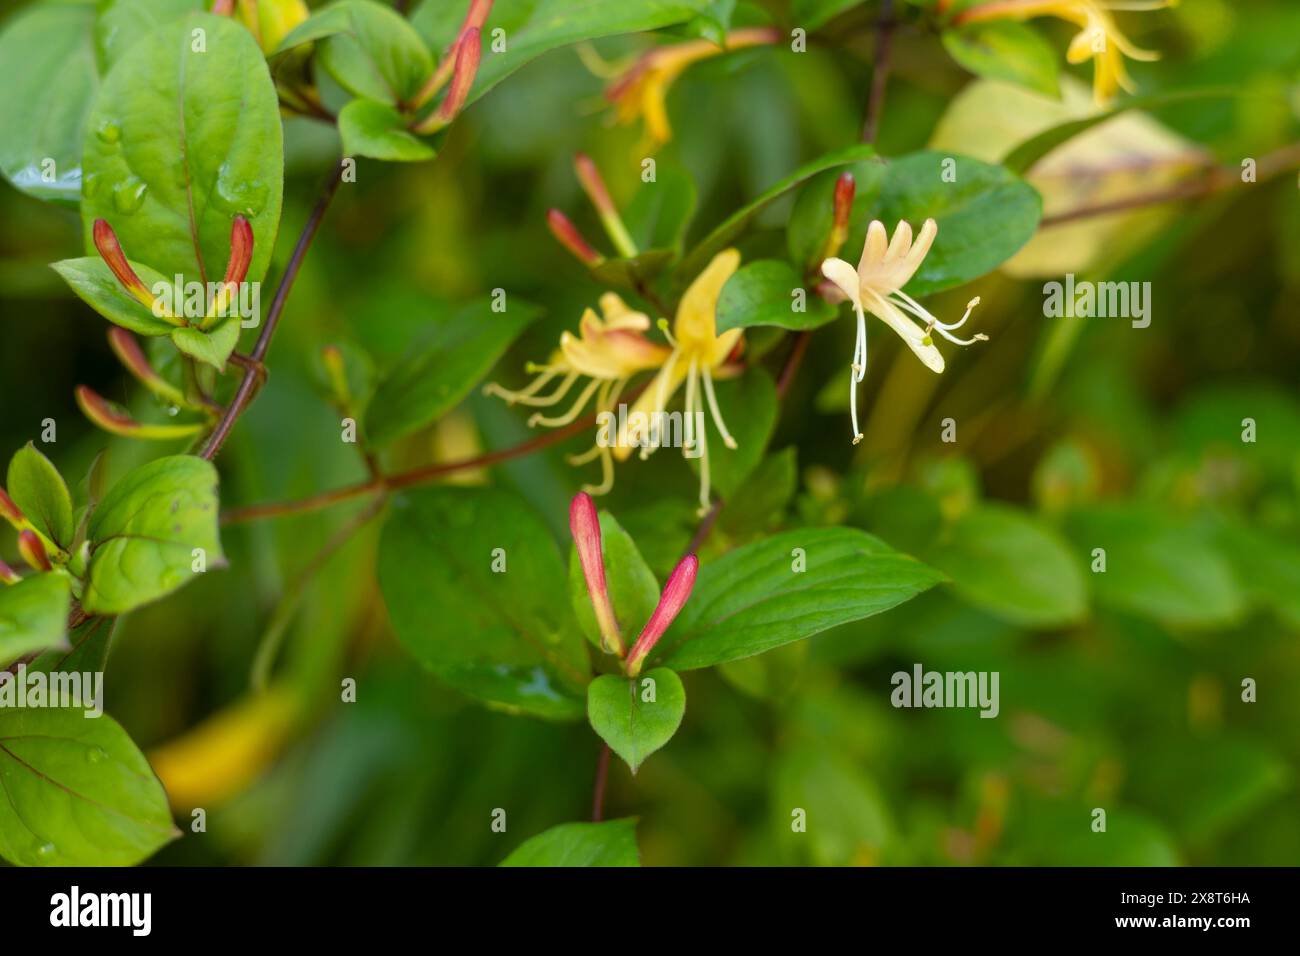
673	599
241	250
567	234
110	250
8	575
33	552
11	512
98	409
129	353
594	186
844	190
585	525
468	51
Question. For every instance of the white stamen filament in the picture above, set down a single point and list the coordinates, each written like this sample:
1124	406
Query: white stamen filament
692	406
715	412
526	396
859	371
572	413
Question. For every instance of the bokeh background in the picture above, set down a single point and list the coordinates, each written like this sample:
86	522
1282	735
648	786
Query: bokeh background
1121	691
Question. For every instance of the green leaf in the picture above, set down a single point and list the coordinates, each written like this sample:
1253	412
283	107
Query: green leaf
763	293
632	272
40	493
811	14
506	637
726	233
984	215
580	844
122	23
1012	565
459	351
33	615
212	347
48	78
1156	566
634	717
659	213
749	406
143	534
377	130
813	214
183	141
79	792
534	27
754	599
763	496
86	649
1006	50
369	50
94	283
633	590
846	818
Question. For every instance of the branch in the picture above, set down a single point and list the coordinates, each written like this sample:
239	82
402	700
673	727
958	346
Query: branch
254	372
880	72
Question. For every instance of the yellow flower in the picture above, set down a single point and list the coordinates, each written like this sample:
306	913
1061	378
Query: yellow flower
876	285
608	350
642	90
1099	39
697	353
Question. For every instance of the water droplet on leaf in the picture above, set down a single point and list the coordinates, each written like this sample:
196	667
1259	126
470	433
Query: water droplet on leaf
128	195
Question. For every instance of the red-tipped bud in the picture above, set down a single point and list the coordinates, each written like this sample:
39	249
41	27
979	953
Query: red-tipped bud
592	183
10	511
673	599
115	420
111	252
8	575
585	525
33	552
476	16
567	234
241	250
468	50
594	186
843	210
129	353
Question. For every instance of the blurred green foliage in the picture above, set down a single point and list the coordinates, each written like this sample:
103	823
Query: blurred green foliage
1120	690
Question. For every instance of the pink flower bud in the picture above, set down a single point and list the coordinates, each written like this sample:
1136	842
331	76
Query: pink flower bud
585	525
592	183
111	252
8	575
33	552
468	50
241	250
671	601
567	234
10	511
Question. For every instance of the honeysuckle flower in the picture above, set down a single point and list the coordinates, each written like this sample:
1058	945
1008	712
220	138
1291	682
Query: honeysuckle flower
608	349
585	525
876	286
698	353
641	91
1099	38
671	602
